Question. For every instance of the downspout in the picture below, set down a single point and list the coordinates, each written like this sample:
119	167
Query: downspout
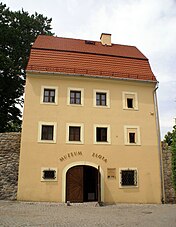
159	144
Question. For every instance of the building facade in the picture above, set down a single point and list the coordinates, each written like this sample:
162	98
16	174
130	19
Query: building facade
90	124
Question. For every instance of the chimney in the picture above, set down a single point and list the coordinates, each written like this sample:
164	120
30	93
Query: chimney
105	39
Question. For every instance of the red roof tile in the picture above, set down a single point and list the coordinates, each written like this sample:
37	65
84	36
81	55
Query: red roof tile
53	54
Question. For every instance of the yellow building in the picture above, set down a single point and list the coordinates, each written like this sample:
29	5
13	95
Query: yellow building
90	128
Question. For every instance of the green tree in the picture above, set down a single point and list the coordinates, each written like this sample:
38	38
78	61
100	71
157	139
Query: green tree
18	30
170	139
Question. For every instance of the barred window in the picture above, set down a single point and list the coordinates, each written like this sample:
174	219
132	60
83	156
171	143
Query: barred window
49	174
128	177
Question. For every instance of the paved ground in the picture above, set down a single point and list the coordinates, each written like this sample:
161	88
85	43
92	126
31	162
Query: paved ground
87	214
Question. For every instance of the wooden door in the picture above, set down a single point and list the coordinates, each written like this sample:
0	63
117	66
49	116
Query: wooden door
74	184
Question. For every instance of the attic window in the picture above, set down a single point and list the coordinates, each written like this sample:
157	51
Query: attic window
89	42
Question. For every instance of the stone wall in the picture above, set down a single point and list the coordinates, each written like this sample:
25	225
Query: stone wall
9	162
170	195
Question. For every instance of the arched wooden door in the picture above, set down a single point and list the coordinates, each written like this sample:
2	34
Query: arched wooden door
82	184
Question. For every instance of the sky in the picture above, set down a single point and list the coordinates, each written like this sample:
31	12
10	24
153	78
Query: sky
150	25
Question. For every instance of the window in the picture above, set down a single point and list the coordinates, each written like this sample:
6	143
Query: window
48	174
75	96
102	134
49	95
75	133
132	135
130	101
101	98
132	138
128	177
47	132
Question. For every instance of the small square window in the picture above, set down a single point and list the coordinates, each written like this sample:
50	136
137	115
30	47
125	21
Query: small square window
101	134
49	95
49	174
75	97
129	102
100	99
74	133
47	132
128	177
132	135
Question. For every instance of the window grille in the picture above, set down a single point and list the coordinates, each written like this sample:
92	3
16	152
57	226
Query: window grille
49	174
128	177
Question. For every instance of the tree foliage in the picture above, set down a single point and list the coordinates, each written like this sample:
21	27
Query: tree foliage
18	30
170	139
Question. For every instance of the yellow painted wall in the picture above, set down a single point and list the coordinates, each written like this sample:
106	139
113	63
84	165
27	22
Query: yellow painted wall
35	155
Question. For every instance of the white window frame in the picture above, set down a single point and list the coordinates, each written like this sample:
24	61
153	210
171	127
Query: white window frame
42	95
75	89
107	98
108	133
40	131
48	168
128	186
132	129
81	125
132	95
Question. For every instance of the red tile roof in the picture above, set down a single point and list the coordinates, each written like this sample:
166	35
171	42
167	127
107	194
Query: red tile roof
74	56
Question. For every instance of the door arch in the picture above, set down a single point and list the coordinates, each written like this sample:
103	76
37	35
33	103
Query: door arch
81	163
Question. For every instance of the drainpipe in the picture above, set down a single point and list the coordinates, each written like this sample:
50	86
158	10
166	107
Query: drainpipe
159	144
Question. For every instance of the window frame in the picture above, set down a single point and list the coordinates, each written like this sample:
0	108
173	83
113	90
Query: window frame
132	129
130	95
81	125
68	96
95	91
40	124
120	178
49	169
43	87
108	134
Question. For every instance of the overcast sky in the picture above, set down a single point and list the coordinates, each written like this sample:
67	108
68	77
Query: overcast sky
150	25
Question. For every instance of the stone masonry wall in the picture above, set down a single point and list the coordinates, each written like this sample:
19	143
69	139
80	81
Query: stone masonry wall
9	162
170	195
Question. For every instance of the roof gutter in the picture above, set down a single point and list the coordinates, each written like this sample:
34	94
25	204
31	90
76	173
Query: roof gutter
92	76
159	144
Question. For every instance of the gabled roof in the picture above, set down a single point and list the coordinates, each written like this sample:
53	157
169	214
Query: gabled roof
75	56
